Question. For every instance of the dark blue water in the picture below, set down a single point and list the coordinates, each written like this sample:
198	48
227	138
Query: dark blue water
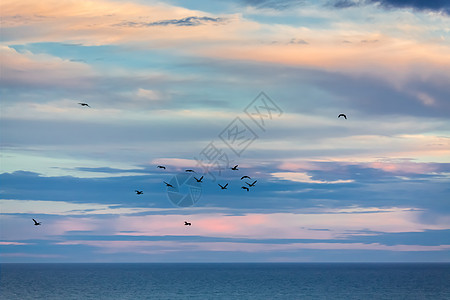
225	281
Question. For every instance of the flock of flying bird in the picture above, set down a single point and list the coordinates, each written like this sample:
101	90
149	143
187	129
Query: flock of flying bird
200	180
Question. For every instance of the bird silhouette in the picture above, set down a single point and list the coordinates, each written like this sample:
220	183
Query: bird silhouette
189	170
139	192
161	167
223	187
235	168
199	180
83	104
253	184
168	184
245	177
245	188
187	223
342	115
36	223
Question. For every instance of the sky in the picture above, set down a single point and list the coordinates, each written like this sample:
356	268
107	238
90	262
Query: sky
207	85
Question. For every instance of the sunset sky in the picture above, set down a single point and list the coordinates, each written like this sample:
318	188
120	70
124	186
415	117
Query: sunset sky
170	81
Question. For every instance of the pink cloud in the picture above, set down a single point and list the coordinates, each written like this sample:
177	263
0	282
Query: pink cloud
339	224
403	167
176	162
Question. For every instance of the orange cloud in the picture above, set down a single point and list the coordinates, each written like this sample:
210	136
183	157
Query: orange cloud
43	70
105	22
100	22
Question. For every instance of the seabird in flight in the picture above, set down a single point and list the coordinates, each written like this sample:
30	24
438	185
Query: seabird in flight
36	223
253	184
168	184
245	188
161	167
224	187
235	168
245	177
187	223
139	192
199	180
83	104
342	115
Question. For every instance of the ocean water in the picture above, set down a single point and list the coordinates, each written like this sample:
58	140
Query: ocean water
225	281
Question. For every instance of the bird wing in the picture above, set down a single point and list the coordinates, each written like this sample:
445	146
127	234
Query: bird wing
226	185
201	178
35	222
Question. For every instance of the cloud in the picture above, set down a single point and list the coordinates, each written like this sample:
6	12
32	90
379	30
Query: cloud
22	255
62	208
345	3
298	41
425	5
407	167
13	243
174	246
166	82
108	170
149	94
433	5
178	163
305	178
26	69
273	4
188	21
86	22
342	224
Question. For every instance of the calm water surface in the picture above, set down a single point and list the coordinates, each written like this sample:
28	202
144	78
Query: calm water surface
225	281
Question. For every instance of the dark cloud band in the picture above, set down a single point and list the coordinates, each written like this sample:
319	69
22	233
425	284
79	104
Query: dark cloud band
431	5
188	21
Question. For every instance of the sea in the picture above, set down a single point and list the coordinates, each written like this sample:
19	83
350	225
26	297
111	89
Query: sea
225	281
